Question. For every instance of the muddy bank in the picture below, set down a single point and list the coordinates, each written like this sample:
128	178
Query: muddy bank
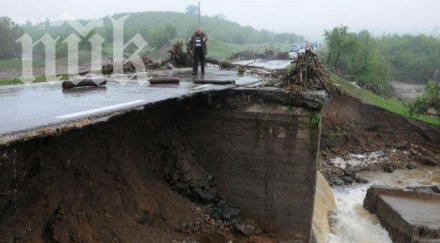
130	177
356	133
98	183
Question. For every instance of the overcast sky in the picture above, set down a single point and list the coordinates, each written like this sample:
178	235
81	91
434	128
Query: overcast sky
307	17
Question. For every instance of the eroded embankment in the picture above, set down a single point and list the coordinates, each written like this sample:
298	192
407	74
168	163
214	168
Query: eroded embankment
113	180
97	183
353	129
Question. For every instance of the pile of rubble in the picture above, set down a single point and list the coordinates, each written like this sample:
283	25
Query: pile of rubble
267	54
190	180
178	57
343	169
307	72
129	66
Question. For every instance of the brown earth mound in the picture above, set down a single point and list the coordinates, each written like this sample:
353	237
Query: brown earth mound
351	126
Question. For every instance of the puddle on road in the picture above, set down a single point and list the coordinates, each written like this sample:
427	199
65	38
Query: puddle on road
351	223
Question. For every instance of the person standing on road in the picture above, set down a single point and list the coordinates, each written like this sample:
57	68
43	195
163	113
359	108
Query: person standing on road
199	49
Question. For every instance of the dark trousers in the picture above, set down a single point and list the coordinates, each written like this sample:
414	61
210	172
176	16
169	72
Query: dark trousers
198	57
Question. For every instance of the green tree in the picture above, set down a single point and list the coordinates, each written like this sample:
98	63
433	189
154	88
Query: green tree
358	55
340	42
412	58
369	64
9	33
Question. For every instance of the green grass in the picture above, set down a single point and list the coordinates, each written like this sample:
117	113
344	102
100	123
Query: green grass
222	50
390	104
216	49
38	79
16	64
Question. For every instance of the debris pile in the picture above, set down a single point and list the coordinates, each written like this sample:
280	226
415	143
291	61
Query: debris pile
307	73
267	54
178	57
191	180
129	66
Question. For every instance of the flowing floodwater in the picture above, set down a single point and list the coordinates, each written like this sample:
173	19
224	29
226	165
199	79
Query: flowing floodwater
351	223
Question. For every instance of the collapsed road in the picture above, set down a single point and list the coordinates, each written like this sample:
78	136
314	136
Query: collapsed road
121	164
26	107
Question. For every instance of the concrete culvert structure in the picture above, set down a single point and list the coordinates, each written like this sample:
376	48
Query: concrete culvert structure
129	176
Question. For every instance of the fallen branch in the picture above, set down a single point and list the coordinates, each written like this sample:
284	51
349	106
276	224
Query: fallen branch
164	80
213	81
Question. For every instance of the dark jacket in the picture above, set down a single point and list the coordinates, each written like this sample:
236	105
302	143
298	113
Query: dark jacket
192	45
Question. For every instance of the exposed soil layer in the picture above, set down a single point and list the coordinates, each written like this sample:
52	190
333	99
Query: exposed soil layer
351	126
110	182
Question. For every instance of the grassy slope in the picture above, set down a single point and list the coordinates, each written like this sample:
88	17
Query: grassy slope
38	79
16	64
6	65
222	50
392	105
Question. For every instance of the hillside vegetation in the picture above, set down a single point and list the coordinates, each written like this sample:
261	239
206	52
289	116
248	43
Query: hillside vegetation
8	35
158	28
374	61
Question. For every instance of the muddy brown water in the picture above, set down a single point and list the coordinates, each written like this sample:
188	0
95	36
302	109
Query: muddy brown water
407	90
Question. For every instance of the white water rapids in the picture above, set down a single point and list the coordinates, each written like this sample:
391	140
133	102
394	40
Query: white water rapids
351	223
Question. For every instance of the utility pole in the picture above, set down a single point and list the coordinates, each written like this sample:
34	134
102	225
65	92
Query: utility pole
199	13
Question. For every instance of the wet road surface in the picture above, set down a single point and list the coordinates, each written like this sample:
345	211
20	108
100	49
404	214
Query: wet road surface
26	107
272	64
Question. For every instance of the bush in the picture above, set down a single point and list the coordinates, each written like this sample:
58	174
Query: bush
429	99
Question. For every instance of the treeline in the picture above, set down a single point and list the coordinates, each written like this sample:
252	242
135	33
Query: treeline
9	33
159	27
412	58
373	61
217	27
358	55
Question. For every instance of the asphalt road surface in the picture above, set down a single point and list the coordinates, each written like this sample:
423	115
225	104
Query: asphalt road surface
27	107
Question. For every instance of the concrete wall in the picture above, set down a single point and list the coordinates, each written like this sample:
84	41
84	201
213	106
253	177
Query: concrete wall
264	158
409	216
